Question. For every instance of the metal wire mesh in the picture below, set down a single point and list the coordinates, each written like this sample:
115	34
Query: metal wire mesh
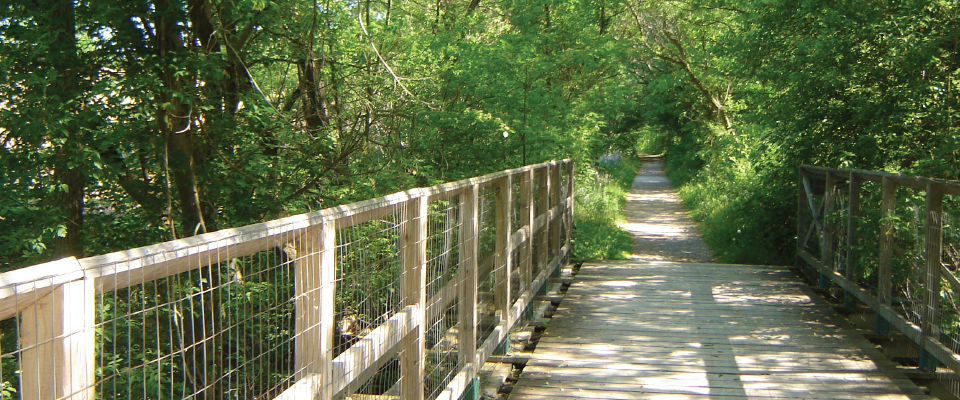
9	354
909	272
47	313
865	253
367	277
368	288
948	313
442	334
242	314
539	207
488	316
213	331
516	284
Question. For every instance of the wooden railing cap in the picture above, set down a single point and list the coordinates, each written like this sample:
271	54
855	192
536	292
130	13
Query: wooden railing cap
259	236
947	186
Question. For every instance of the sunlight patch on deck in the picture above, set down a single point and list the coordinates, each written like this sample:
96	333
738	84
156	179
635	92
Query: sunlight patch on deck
649	330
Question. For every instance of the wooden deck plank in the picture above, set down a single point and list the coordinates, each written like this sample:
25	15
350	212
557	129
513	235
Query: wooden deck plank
527	392
644	330
729	383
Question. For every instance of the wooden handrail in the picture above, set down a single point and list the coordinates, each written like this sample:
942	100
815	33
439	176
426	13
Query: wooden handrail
74	284
825	183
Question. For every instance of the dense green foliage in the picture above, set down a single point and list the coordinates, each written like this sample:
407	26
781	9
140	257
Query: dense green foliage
128	123
738	94
599	201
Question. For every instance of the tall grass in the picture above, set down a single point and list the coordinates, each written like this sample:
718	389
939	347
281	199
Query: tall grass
598	208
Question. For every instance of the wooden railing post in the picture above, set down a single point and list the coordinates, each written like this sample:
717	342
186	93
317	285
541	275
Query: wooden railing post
467	277
307	284
884	273
314	283
853	212
568	206
328	293
931	295
555	220
58	341
526	219
801	203
826	236
543	238
413	292
504	256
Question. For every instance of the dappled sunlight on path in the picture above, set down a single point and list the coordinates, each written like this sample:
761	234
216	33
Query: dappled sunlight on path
661	229
669	324
656	329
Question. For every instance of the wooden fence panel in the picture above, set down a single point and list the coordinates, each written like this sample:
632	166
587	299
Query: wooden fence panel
926	334
57	307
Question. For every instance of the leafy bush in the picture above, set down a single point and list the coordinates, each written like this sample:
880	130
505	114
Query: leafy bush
598	208
740	193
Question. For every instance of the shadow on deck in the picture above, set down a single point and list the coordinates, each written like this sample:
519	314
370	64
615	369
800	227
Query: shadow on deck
648	329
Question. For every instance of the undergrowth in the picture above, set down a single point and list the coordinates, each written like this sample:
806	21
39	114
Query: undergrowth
739	192
598	208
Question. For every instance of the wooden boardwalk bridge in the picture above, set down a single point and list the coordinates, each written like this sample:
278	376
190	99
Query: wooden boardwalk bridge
651	330
408	296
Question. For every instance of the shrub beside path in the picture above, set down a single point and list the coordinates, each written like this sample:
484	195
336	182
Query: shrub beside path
662	230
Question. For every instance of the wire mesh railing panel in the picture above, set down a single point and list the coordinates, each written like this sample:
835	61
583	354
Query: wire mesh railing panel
948	313
488	221
50	312
487	313
442	333
10	372
363	301
225	329
810	209
540	188
536	254
517	286
443	251
907	264
442	361
865	253
834	244
368	273
516	209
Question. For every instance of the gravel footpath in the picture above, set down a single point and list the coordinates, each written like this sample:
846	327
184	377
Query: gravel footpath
661	228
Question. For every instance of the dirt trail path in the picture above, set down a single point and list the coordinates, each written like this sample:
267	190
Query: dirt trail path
661	228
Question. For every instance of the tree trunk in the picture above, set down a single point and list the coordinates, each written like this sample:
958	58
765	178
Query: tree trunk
314	100
58	16
177	126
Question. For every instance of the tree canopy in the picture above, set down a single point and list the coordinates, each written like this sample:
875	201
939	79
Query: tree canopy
171	118
130	122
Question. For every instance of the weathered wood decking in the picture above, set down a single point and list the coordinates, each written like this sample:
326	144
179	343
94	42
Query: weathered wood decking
651	330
